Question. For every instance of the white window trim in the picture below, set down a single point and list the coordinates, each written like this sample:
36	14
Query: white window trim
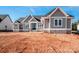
58	22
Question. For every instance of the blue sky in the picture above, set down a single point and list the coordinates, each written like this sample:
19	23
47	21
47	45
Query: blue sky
16	12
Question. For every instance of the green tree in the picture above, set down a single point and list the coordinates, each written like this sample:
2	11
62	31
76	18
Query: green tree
74	26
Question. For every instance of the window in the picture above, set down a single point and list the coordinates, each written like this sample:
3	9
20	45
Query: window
15	26
5	27
58	22
40	25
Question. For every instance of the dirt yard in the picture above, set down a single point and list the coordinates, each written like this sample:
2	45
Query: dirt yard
38	42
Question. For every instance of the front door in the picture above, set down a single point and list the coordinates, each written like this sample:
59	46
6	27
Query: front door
33	26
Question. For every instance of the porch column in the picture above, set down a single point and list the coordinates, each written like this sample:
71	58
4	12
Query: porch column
29	26
37	26
43	24
66	23
49	24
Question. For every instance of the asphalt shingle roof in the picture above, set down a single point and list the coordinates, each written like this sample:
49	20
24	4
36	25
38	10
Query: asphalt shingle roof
53	10
37	17
19	20
27	18
2	17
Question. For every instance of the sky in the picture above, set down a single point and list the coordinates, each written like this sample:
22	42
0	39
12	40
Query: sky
15	12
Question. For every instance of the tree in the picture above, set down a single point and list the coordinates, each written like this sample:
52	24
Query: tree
74	26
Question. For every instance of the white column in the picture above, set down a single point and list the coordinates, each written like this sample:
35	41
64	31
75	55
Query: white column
23	27
13	27
49	24
36	26
43	24
71	23
18	26
29	26
66	23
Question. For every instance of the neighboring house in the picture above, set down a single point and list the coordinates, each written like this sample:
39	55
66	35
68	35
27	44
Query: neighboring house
56	21
78	27
6	23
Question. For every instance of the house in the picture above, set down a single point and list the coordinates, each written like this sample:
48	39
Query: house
78	27
56	21
28	23
6	23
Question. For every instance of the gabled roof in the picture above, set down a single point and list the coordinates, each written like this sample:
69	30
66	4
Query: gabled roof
70	15
2	17
37	18
27	18
19	20
54	10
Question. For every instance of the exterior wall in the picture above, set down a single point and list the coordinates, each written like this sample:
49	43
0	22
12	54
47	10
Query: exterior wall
63	23
16	27
46	23
66	26
61	31
66	23
69	23
6	22
26	27
40	26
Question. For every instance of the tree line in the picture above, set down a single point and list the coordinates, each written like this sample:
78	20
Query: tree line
74	26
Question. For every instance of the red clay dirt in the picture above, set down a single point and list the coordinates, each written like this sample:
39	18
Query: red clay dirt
38	42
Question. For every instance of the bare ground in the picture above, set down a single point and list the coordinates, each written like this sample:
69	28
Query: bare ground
38	42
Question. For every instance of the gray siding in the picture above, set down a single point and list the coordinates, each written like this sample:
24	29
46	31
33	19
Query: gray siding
46	23
58	13
61	31
63	23
26	27
68	23
16	26
40	25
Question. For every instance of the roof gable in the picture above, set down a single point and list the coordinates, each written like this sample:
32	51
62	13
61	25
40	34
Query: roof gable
37	18
34	19
27	18
58	12
54	10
